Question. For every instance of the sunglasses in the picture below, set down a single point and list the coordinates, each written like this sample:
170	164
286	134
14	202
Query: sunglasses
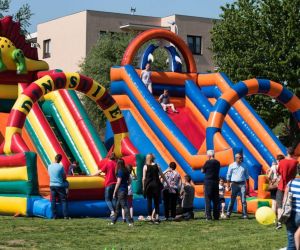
239	157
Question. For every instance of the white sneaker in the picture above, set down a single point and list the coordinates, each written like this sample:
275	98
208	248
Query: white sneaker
278	226
112	214
148	218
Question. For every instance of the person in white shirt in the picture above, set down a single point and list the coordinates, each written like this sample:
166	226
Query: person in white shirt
146	77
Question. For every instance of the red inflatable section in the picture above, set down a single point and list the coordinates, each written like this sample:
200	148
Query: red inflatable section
193	131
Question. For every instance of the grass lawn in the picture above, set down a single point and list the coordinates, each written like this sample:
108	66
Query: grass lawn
90	233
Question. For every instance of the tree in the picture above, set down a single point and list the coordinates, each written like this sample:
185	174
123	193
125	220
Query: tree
23	15
107	52
261	38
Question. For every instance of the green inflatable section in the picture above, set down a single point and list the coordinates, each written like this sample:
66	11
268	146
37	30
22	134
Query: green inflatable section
6	105
88	124
49	109
41	151
29	187
137	185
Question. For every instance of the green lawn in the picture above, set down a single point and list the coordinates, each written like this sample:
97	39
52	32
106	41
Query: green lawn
90	233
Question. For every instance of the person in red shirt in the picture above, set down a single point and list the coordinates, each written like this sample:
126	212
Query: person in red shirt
109	169
287	170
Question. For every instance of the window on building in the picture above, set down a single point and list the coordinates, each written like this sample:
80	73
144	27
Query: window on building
195	44
102	32
46	48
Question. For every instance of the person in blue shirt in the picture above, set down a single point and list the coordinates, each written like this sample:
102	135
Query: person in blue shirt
238	182
121	192
58	186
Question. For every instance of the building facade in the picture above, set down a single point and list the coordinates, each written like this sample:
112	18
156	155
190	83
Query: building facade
64	42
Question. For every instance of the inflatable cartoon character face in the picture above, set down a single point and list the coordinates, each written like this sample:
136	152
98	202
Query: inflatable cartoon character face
12	58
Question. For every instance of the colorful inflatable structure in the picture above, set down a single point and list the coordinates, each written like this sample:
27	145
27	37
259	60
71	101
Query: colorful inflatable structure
213	113
41	115
37	123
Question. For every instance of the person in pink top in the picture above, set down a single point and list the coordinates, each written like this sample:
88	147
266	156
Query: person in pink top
109	169
287	170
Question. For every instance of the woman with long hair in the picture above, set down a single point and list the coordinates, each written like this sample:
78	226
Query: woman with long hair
121	192
152	186
273	180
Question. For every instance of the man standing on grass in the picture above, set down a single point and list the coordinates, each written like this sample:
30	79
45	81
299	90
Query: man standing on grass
211	169
238	181
57	186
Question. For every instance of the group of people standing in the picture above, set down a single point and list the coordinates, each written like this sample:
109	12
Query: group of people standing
118	189
237	181
169	185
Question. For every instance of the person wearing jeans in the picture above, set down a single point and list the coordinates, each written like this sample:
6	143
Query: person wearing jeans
238	181
57	186
293	224
121	192
108	196
109	169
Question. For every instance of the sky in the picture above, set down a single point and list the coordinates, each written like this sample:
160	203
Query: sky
51	9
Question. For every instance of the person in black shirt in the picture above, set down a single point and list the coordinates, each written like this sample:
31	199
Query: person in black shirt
211	169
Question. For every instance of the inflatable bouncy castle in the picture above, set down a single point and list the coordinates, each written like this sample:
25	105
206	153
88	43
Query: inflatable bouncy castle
41	116
213	114
38	122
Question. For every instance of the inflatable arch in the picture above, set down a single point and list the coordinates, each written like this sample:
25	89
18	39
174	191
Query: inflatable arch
160	34
242	89
51	81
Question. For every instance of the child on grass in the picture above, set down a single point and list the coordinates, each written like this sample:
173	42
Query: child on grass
221	197
132	176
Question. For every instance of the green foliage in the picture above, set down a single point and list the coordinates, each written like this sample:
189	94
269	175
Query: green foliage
160	56
260	38
107	52
23	15
89	233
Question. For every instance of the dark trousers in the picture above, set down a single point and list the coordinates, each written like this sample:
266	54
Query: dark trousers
58	192
212	196
170	201
122	203
155	197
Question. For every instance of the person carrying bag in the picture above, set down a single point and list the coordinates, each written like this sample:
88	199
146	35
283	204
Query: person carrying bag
290	214
287	206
